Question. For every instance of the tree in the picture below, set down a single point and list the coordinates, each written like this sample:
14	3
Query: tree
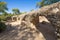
40	4
3	6
46	2
16	11
32	9
5	14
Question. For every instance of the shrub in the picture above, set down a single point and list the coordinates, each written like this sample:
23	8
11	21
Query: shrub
2	26
3	18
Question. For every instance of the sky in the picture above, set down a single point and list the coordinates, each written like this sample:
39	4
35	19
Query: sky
22	5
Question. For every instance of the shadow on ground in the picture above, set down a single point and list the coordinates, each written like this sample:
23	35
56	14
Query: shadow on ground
23	32
47	30
19	32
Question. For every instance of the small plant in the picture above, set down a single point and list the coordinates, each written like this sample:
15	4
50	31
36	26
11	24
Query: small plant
2	26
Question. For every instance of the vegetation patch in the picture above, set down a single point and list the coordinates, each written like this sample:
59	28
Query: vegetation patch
2	26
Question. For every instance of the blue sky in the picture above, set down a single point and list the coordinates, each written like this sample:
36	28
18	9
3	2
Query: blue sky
22	5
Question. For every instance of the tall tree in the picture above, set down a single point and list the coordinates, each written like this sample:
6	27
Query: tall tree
3	6
40	4
32	9
16	11
46	2
5	14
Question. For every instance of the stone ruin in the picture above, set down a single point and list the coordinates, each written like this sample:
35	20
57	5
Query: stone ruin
52	13
13	18
44	21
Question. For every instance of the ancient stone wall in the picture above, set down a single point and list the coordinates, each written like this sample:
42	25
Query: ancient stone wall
51	12
49	29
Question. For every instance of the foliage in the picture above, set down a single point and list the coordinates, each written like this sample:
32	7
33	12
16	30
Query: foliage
40	4
4	16
32	10
2	26
3	6
46	2
23	12
15	11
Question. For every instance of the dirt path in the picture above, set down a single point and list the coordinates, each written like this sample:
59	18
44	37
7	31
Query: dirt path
18	32
15	31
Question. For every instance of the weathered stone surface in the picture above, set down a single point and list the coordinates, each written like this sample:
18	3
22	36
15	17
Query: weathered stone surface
42	24
51	12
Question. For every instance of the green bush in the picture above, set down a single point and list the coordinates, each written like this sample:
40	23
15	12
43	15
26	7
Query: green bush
2	26
3	18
